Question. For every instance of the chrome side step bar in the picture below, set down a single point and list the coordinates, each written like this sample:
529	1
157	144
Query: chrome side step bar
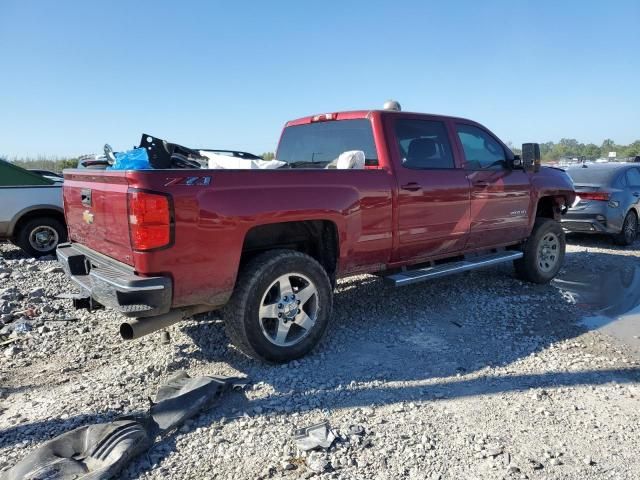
413	276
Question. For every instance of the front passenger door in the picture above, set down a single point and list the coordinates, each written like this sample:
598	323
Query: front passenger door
500	196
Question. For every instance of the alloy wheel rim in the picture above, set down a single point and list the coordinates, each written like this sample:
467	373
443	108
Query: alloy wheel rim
288	309
43	238
548	252
631	228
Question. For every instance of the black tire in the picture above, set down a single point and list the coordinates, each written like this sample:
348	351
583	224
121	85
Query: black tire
536	268
258	287
629	231
27	240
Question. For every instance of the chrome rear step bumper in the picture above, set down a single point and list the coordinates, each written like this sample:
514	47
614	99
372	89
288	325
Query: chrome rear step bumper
408	277
113	284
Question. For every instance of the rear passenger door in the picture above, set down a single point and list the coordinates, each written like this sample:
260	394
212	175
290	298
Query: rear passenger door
500	196
433	192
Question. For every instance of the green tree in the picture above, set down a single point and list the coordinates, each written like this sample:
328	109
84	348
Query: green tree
591	151
567	147
268	155
633	149
46	163
67	163
546	150
608	145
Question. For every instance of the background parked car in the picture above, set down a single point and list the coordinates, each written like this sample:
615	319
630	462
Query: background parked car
53	176
31	214
608	200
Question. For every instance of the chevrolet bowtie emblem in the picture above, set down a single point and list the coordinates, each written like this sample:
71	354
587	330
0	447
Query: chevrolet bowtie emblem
87	216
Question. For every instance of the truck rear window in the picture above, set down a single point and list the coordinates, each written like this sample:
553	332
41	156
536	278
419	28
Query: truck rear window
314	145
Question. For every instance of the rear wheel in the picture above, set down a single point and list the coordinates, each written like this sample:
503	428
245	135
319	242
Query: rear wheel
543	252
281	306
629	231
40	236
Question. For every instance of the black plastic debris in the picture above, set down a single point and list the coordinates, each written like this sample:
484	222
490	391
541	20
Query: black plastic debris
182	397
314	436
100	451
163	154
97	451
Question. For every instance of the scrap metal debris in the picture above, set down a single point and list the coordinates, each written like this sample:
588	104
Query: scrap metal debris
314	436
100	451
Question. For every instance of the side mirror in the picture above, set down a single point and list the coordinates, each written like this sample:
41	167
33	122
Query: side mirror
516	163
530	156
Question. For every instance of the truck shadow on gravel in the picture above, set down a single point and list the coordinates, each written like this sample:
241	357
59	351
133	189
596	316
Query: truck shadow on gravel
420	342
341	396
449	338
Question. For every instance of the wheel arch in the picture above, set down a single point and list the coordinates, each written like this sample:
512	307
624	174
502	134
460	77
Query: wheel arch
32	212
547	207
317	238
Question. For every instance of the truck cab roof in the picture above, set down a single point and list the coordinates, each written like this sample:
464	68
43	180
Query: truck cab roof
353	114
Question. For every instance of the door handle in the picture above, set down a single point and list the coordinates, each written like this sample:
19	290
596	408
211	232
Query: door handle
636	194
411	186
85	197
481	183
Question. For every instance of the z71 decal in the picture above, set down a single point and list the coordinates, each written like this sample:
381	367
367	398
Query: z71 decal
188	181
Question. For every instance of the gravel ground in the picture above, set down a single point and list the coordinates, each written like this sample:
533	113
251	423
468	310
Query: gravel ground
476	376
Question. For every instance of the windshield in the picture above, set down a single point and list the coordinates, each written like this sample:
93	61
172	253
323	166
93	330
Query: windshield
317	144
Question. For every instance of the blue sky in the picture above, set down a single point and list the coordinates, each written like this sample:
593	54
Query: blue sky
77	74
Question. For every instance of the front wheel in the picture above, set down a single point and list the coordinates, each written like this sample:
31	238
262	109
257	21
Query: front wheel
280	307
543	252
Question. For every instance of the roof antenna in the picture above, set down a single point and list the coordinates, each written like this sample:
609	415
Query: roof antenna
392	105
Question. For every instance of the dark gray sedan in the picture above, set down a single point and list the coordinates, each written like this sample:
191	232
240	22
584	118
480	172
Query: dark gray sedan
608	200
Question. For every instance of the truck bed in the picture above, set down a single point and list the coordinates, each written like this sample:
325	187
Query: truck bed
213	211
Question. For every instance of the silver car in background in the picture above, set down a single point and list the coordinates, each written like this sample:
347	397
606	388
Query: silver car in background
608	200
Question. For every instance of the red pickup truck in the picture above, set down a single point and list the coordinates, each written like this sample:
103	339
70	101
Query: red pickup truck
436	195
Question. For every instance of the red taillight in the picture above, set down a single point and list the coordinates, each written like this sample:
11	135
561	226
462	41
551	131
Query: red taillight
149	220
600	196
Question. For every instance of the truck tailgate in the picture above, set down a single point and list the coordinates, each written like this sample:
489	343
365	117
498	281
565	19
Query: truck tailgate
96	212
